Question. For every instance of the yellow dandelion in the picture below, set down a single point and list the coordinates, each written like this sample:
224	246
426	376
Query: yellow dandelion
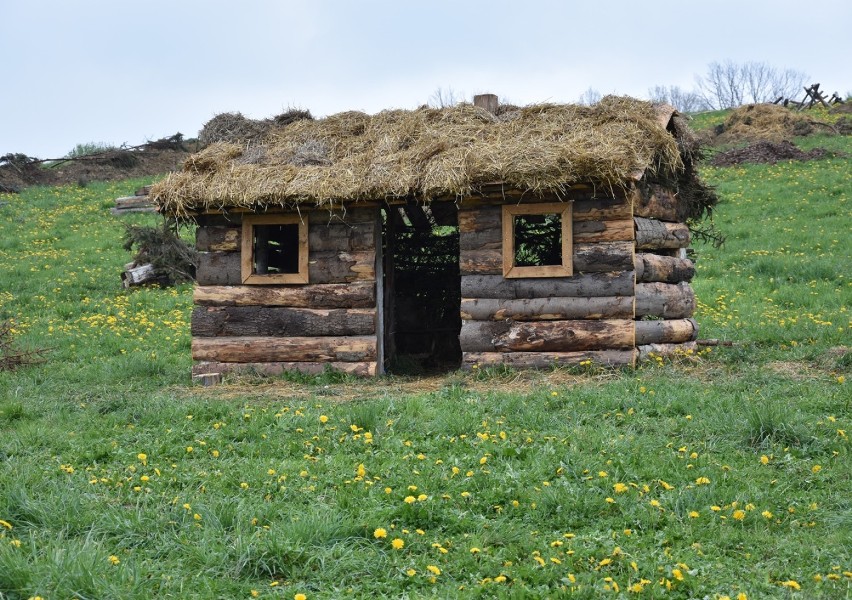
411	572
5	524
766	514
816	469
792	584
114	560
323	419
738	515
677	574
300	597
620	488
764	460
433	569
398	543
409	500
694	514
380	532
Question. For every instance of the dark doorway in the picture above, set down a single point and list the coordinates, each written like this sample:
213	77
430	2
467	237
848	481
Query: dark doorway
422	288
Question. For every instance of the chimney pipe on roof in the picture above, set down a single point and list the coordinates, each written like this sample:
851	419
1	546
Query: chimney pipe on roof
486	101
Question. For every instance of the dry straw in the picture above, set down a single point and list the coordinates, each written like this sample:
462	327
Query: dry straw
432	153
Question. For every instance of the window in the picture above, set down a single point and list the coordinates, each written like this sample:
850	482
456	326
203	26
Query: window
537	240
274	249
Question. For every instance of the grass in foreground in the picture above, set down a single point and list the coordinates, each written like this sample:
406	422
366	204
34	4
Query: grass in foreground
725	475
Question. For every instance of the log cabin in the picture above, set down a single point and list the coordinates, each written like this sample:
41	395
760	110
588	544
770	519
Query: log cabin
447	238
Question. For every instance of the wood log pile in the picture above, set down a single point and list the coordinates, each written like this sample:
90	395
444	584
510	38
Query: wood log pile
327	323
138	202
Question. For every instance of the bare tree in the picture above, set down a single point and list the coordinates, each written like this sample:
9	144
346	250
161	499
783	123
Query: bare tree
590	97
682	100
729	84
442	98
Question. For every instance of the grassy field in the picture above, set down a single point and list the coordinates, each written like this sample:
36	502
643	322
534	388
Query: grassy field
721	475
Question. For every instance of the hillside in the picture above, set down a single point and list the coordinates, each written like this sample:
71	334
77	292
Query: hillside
714	475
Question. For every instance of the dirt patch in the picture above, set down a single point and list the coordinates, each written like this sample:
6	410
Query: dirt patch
766	151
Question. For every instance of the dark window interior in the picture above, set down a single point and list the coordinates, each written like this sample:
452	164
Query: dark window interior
538	240
276	249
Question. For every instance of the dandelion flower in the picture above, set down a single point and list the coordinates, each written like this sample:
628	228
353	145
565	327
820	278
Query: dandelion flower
411	572
764	460
694	514
677	574
433	569
114	560
323	419
620	488
766	514
409	500
380	532
792	584
300	597
5	524
816	469
398	544
738	515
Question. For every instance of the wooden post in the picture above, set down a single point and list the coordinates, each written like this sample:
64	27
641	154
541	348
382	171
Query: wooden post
487	101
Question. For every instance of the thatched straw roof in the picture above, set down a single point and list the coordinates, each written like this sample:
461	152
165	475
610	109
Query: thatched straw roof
435	153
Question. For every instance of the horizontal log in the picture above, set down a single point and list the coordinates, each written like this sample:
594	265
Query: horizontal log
603	257
218	239
546	360
652	234
356	233
656	202
650	351
142	209
547	309
665	300
341	267
274	369
289	349
134	202
480	228
143	191
603	231
481	262
674	331
229	321
218	268
587	284
602	209
224	268
668	269
359	294
546	336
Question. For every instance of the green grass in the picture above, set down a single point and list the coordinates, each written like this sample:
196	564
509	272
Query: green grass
120	480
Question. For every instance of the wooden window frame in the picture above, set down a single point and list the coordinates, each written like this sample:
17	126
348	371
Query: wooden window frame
248	275
510	211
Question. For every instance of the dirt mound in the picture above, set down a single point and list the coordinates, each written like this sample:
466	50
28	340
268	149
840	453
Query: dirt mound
18	171
766	122
766	151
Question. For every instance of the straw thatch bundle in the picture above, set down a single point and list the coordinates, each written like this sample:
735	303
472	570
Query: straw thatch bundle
435	153
771	122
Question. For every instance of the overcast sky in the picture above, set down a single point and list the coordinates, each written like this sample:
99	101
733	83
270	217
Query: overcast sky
77	71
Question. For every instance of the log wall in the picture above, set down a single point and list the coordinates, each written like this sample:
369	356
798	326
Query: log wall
541	322
665	301
267	329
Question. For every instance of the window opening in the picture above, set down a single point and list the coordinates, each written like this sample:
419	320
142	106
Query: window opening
537	240
275	249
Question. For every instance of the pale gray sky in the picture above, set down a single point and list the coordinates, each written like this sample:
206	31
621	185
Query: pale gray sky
112	71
